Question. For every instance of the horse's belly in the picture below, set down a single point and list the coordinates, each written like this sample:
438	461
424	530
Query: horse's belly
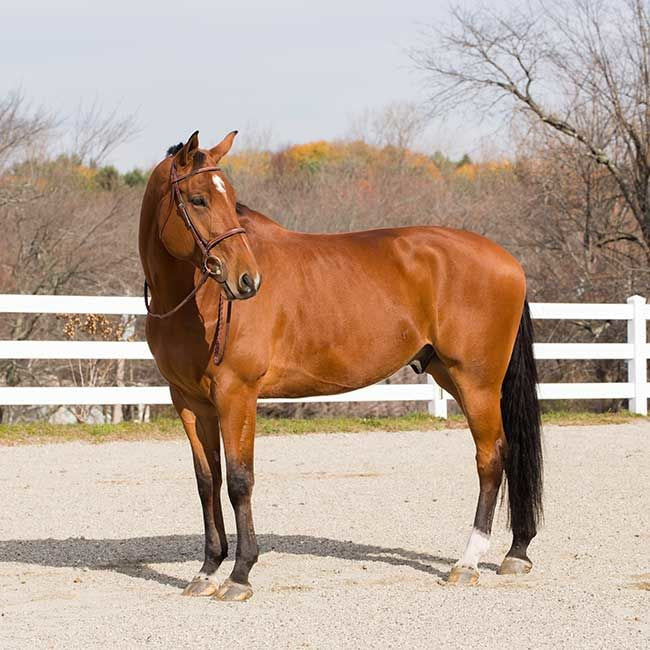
351	359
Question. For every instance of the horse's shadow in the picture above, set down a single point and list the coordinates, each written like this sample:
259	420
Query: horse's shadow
132	556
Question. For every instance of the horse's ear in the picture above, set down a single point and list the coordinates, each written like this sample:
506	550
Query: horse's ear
223	147
185	154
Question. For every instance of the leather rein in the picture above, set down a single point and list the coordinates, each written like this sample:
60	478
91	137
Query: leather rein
210	264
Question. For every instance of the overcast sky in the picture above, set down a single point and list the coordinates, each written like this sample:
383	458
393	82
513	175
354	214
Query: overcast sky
298	71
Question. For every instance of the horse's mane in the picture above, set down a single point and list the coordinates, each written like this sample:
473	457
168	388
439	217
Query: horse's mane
198	158
174	149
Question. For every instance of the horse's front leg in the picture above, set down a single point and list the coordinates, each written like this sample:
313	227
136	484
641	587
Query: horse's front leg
202	429
237	405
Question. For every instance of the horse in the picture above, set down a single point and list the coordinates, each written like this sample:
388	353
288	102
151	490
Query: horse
243	308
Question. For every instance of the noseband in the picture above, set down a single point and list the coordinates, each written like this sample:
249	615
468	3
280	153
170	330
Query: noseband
210	264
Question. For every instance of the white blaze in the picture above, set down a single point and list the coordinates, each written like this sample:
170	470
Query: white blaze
219	184
477	546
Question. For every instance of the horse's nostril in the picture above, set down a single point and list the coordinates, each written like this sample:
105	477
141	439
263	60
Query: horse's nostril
246	283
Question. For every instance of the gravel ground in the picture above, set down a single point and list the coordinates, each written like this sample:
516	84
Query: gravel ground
356	532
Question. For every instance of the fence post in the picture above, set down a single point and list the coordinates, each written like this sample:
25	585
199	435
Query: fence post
637	367
438	405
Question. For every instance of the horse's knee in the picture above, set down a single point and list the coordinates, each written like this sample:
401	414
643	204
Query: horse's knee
240	483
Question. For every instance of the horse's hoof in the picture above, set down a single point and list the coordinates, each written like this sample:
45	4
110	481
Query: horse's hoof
463	575
200	586
514	566
234	591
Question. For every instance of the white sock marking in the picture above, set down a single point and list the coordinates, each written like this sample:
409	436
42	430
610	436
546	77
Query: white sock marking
476	548
207	576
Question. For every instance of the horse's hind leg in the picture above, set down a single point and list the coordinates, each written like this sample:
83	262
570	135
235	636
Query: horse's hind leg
482	409
202	429
437	369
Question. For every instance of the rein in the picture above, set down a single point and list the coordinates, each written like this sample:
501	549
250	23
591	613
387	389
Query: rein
211	266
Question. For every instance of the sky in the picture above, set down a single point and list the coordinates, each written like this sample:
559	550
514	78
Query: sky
280	72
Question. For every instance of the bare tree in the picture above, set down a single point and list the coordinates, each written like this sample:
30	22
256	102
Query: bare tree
21	126
582	238
97	133
567	64
397	125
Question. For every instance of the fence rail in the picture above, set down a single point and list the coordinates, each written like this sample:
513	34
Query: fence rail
635	351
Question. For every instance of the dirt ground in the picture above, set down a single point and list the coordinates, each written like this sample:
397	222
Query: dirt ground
357	532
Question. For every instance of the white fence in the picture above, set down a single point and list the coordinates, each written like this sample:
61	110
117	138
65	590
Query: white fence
635	351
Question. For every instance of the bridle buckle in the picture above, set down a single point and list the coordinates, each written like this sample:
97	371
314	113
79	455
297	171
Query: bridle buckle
213	267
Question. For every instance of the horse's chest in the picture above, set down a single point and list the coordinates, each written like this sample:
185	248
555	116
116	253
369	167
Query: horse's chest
183	360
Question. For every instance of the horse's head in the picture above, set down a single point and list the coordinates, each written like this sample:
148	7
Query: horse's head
198	222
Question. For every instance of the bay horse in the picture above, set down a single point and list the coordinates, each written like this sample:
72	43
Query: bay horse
334	312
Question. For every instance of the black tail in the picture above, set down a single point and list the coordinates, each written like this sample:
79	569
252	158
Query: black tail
522	425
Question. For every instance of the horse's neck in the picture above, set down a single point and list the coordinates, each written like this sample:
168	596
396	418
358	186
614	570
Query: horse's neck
256	222
169	279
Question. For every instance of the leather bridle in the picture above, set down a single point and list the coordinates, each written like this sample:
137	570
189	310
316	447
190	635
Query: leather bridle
211	266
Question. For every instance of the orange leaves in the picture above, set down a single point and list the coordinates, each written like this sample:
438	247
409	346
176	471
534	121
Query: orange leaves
310	157
421	163
252	161
360	159
472	171
313	154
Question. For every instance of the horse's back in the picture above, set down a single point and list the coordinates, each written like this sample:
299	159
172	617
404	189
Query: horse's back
446	245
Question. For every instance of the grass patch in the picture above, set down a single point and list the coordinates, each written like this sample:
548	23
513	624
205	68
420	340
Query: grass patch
43	432
569	418
170	428
411	422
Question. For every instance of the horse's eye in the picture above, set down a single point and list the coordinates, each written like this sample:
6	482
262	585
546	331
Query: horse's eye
198	200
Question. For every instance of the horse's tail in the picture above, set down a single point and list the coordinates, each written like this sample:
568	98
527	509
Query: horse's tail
522	425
